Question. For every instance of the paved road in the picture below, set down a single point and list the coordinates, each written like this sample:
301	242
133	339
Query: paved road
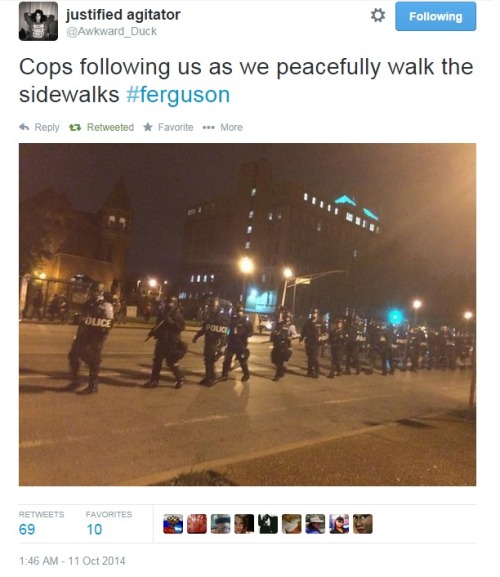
406	429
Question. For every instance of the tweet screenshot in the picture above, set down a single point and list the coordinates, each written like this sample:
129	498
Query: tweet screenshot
250	336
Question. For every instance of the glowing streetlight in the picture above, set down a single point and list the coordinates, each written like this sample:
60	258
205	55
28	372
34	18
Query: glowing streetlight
467	316
246	267
288	274
417	304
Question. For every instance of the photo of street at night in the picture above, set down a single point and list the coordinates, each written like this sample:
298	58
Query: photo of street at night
247	314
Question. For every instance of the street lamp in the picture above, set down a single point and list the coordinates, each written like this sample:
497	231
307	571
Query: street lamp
246	267
417	303
467	316
288	274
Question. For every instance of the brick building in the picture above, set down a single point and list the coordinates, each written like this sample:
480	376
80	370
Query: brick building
60	245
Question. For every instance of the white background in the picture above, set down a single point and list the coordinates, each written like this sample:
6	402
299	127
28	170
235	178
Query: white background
305	109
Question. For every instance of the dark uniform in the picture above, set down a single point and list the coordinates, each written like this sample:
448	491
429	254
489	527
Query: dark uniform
314	334
337	338
446	348
240	328
96	320
281	338
412	352
381	338
354	341
433	350
169	345
214	328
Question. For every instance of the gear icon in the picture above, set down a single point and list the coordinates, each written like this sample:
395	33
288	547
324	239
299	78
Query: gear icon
378	15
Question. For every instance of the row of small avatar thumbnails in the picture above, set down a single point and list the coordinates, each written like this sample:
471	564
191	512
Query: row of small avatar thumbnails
269	524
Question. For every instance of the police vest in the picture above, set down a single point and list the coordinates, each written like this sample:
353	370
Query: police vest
98	322
216	329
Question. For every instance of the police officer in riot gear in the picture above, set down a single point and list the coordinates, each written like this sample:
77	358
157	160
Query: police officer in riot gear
446	348
354	340
313	332
380	338
281	338
337	338
240	328
214	328
169	345
96	320
412	350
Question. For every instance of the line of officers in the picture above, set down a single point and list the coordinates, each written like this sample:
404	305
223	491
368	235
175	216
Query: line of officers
357	345
226	331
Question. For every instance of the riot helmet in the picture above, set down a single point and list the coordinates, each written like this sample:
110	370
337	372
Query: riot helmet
96	289
172	302
213	304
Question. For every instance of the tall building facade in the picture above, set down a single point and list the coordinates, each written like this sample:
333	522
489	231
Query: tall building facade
270	227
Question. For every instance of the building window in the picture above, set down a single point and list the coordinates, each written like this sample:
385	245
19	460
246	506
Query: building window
254	192
249	229
247	245
191	211
199	209
263	278
198	278
270	216
250	214
358	220
372	227
349	216
318	226
313	200
355	254
122	222
329	208
321	204
111	219
212	278
279	215
364	223
205	278
306	196
336	211
192	278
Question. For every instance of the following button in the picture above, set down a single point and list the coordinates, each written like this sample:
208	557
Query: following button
436	16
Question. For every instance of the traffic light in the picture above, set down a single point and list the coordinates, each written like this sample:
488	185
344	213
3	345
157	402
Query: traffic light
395	317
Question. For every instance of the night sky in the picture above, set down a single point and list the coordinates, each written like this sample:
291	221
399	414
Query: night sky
424	194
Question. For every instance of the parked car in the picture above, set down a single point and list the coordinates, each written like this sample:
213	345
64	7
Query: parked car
266	323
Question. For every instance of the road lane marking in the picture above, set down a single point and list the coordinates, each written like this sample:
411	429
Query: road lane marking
37	443
165	476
